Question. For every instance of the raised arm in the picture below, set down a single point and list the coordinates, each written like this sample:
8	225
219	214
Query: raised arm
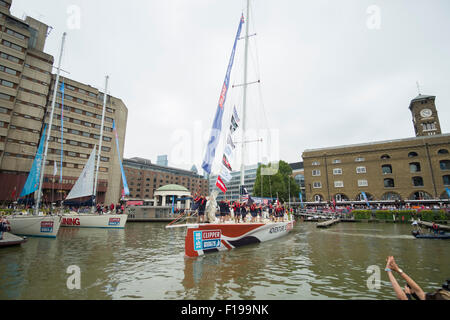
414	286
401	295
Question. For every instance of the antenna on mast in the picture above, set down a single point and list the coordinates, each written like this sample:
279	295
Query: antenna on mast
418	87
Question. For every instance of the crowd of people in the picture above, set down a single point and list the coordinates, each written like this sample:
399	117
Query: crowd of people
241	212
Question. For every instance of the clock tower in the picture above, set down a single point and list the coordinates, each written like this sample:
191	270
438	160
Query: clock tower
425	117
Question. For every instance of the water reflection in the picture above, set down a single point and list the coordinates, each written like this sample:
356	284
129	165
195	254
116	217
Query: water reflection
146	261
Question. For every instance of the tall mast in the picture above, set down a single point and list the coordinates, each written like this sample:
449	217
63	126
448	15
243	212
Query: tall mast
245	96
50	123
101	139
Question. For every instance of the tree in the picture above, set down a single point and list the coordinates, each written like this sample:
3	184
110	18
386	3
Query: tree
279	183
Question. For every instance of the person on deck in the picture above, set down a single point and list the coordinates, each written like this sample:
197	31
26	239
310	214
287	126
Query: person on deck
237	211
253	212
3	227
201	209
243	212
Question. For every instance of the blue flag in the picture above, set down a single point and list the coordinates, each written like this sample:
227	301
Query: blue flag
365	199
32	183
217	124
301	199
124	179
448	192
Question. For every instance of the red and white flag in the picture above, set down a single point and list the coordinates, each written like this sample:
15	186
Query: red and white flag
221	185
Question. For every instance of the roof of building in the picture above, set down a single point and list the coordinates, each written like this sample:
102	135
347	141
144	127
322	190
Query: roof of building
296	165
146	164
172	187
420	97
437	136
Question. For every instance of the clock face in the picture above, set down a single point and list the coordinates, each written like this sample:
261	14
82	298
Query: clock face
425	113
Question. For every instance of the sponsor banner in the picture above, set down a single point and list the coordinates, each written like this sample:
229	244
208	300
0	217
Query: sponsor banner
207	239
226	163
230	142
114	222
47	226
70	221
135	203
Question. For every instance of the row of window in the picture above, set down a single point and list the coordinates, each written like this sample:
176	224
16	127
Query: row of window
81	101
9	70
411	154
81	122
83	112
12	46
388	182
386	168
100	96
418	195
15	34
10	58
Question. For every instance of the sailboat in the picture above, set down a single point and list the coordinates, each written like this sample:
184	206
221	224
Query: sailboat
203	238
38	224
86	185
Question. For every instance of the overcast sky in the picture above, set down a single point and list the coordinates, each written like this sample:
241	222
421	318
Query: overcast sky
332	72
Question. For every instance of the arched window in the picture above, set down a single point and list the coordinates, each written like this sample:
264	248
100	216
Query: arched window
443	151
340	197
412	154
360	197
420	195
414	167
318	198
417	181
391	196
389	183
444	164
385	157
386	168
446	180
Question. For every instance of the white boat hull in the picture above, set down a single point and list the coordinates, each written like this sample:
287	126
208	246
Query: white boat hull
213	237
112	221
34	226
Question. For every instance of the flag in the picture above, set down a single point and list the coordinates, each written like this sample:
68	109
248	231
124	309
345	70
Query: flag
230	142
225	174
124	178
55	168
233	125
226	163
301	199
221	185
62	130
448	192
235	114
365	198
217	123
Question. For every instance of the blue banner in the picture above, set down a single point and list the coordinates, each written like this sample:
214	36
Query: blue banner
301	199
124	179
217	124
365	198
32	183
448	192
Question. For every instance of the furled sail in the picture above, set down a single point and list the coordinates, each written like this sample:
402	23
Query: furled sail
32	183
85	184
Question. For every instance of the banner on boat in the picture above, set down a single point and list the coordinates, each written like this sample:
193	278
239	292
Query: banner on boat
217	123
207	239
32	183
47	226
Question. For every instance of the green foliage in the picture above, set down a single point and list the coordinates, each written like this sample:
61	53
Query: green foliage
280	183
402	215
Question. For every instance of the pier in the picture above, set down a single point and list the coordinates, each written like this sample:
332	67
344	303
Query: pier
429	225
328	223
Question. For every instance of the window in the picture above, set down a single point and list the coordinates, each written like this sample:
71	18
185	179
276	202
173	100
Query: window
385	157
386	169
412	154
420	195
318	198
363	183
316	163
7	83
391	196
339	184
444	164
446	180
389	183
360	159
417	181
316	173
317	185
361	170
414	167
337	171
443	151
71	154
5	96
336	161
